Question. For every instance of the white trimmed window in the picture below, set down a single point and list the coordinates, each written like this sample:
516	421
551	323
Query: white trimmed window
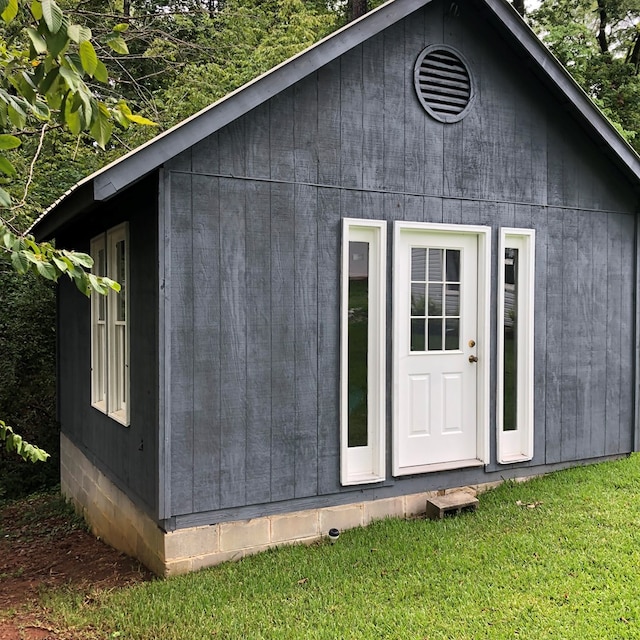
109	327
362	392
515	345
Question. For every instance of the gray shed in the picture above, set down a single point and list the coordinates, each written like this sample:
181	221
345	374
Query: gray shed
403	261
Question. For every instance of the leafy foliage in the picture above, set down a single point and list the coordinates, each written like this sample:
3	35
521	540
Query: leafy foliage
599	44
15	443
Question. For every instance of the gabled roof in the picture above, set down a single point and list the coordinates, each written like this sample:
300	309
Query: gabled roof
130	168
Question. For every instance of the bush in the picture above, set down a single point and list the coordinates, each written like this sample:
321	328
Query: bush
27	378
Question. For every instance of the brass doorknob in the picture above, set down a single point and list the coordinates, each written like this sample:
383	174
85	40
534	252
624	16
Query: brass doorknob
472	359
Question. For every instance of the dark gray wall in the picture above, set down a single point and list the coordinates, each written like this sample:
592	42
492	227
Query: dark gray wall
129	455
252	255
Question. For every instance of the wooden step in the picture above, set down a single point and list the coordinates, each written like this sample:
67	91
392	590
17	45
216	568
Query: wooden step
451	504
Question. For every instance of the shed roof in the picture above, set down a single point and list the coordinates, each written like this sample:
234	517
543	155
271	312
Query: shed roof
133	166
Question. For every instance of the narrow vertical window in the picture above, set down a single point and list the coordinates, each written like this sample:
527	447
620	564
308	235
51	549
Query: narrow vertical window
363	351
118	364
109	327
98	330
515	345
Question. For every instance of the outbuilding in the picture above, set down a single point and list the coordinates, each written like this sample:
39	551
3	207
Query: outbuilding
403	261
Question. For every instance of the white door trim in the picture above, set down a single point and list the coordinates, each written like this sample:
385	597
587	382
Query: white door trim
483	235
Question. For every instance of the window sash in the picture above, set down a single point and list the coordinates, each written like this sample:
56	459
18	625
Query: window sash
515	315
98	330
364	461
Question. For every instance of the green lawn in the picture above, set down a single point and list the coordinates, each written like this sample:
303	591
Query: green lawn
557	557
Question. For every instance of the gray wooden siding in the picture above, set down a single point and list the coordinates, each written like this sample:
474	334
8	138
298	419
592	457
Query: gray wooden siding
255	251
129	455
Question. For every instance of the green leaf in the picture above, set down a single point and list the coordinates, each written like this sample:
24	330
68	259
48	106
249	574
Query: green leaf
121	28
52	15
78	258
37	41
62	265
88	57
41	109
6	167
100	73
72	119
102	128
72	79
98	285
117	44
17	116
78	33
36	10
47	270
58	41
11	11
19	262
9	142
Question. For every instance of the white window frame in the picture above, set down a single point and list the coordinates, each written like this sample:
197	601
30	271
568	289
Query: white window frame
366	464
517	445
98	330
110	386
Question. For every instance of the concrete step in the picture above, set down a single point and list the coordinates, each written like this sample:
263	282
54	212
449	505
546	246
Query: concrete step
451	504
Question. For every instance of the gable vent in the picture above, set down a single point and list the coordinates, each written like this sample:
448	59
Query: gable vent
443	83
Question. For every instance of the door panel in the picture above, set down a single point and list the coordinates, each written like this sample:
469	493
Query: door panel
435	348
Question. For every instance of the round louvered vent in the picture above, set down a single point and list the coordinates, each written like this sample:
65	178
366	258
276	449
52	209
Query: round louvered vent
443	83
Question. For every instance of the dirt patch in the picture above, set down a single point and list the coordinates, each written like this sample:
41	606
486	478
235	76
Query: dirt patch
44	545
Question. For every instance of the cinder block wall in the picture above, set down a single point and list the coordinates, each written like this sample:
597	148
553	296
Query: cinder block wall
114	518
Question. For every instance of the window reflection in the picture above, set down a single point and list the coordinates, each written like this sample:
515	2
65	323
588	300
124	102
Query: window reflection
358	335
510	329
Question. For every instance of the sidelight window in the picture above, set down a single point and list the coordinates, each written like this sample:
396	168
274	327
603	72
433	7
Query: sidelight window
363	351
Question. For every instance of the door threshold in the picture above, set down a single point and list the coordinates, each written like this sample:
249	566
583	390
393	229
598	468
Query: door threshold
439	466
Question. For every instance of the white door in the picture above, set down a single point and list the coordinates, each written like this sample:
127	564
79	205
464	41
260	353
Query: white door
436	286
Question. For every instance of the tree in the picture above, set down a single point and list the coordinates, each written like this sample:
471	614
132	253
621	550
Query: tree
46	65
598	41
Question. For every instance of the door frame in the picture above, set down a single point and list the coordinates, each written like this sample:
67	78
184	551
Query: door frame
483	234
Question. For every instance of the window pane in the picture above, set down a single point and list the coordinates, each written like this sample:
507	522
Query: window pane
510	328
435	334
418	264
452	305
100	270
358	337
417	299
417	335
435	265
453	265
435	300
452	331
121	272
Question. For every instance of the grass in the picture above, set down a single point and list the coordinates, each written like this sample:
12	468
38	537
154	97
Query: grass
556	557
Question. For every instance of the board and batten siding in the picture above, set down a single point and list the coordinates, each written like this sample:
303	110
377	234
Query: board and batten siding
127	455
252	256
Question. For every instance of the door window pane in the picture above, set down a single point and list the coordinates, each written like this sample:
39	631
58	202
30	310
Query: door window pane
441	314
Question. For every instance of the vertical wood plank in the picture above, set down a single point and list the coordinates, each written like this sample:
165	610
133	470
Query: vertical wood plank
433	209
259	418
614	303
283	431
182	364
281	136
329	243
205	156
257	140
393	94
599	335
627	335
414	113
553	392
583	313
329	123
570	344
305	129
351	115
206	340
232	149
233	343
451	211
539	223
306	342
373	113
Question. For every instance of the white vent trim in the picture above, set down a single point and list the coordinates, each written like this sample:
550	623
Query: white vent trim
443	83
